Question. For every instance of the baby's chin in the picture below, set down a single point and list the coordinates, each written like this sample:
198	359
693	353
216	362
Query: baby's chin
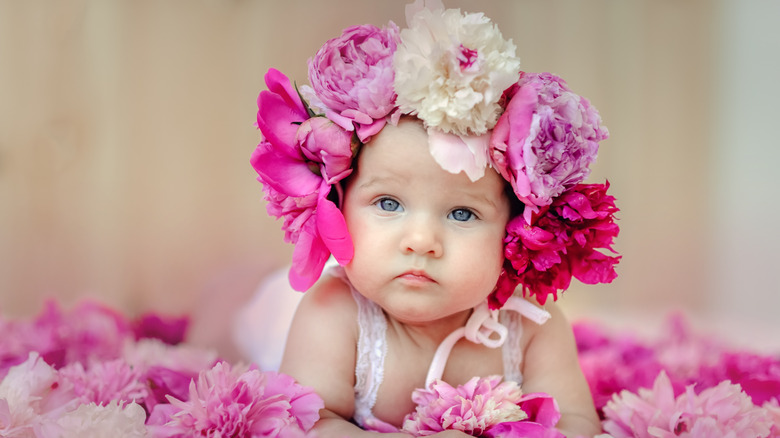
428	315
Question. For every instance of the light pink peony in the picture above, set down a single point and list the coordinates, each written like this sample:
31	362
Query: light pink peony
31	394
113	419
562	242
545	140
352	75
471	408
106	381
239	402
297	162
721	411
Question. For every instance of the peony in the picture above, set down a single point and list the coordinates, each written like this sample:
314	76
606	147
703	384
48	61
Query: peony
721	411
545	140
105	381
168	369
240	402
29	394
758	375
471	408
352	76
563	242
297	162
94	420
170	330
452	68
450	71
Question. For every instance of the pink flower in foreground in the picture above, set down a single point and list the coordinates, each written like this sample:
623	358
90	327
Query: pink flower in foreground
89	331
113	419
237	402
471	408
564	241
29	394
543	415
297	162
352	75
545	140
105	381
721	411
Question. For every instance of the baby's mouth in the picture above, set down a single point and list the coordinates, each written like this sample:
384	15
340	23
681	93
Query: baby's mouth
416	276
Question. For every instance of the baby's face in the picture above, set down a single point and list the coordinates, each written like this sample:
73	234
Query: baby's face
428	243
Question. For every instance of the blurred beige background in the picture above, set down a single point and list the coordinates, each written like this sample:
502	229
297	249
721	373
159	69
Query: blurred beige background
126	129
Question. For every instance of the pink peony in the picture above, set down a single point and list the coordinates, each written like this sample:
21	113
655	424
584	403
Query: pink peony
89	331
471	408
104	382
626	365
167	369
545	140
352	75
227	401
297	162
562	242
759	376
721	411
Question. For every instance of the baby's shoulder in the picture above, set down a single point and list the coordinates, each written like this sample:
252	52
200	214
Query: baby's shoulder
330	299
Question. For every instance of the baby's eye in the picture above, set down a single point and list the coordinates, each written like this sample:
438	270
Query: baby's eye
462	215
388	204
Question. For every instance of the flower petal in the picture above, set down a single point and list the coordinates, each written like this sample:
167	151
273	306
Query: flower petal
333	231
282	172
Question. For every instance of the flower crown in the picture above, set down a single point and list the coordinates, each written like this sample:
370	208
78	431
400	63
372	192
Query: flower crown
456	73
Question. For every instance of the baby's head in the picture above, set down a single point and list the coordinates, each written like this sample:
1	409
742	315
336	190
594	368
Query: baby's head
428	243
472	123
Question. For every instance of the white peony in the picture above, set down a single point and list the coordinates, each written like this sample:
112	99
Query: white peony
452	68
92	420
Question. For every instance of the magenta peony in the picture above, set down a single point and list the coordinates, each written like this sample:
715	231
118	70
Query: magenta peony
545	140
352	75
564	241
239	402
170	330
297	162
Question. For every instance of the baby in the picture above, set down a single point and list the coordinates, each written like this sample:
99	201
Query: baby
437	214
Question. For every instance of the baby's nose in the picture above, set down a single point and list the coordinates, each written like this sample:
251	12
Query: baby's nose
422	236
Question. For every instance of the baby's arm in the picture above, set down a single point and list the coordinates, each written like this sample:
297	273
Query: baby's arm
551	366
320	353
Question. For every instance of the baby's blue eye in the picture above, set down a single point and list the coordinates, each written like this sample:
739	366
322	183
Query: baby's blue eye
462	215
388	204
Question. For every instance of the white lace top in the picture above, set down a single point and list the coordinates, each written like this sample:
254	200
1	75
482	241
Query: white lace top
372	347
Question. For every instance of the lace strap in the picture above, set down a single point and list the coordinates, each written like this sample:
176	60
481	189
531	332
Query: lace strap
480	328
371	353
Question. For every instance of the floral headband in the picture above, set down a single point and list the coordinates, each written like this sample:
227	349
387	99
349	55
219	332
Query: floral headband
456	73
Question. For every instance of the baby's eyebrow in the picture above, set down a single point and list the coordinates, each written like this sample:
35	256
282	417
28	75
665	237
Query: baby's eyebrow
377	180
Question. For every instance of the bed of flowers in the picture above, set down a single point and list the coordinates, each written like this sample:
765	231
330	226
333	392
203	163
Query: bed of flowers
91	371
